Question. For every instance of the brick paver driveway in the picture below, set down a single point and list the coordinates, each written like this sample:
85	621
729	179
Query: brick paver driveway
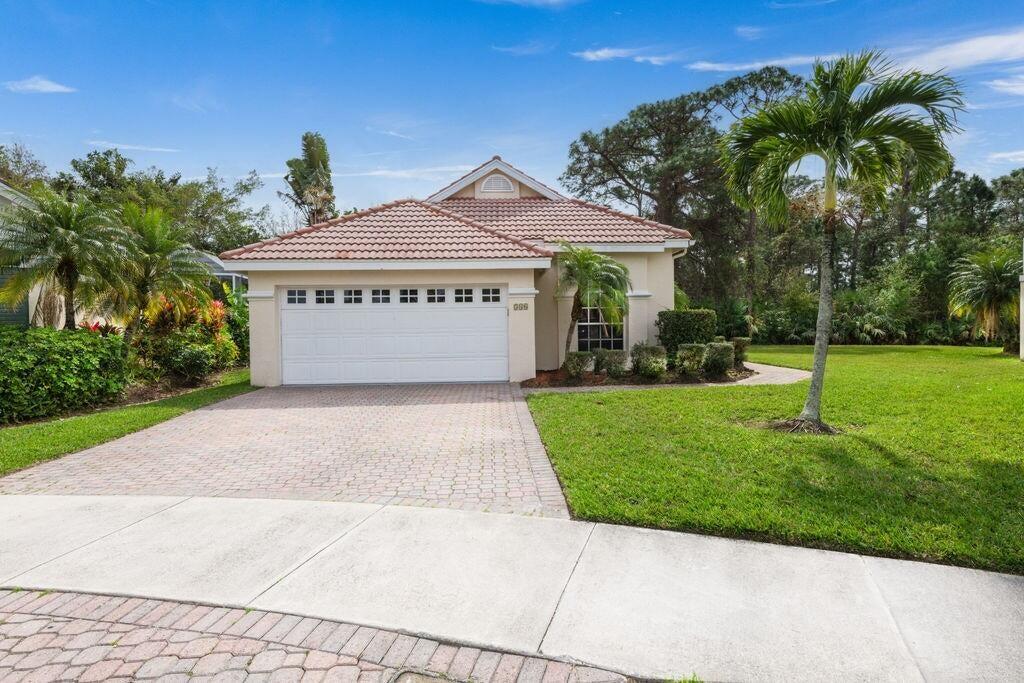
469	446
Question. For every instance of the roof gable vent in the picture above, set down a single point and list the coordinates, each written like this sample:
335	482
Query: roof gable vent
496	183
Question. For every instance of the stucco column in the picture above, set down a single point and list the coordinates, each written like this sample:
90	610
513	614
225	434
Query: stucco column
564	304
264	339
638	323
522	331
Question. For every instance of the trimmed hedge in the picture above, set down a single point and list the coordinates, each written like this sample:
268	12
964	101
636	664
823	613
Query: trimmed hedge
689	359
648	362
45	372
689	326
719	358
741	344
576	363
615	363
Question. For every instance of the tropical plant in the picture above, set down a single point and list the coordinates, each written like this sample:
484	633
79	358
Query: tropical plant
861	117
987	286
599	281
163	268
64	244
309	179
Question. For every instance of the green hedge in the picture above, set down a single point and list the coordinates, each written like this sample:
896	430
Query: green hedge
689	326
648	362
576	363
719	358
46	372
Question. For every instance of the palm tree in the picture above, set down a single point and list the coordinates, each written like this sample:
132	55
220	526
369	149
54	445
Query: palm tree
860	116
60	243
987	285
163	267
600	282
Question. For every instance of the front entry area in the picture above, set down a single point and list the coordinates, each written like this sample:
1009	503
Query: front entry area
394	334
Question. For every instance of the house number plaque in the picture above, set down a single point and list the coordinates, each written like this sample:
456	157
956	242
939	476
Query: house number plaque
521	307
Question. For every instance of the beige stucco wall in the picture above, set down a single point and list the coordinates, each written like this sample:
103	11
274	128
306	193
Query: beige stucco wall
265	290
652	276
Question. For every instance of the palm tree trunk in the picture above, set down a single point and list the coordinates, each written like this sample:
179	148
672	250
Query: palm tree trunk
69	306
574	318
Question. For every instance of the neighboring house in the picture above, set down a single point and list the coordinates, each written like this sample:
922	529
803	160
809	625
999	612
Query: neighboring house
20	314
219	271
459	287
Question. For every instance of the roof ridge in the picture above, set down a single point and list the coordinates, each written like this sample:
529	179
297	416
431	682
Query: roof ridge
337	220
636	219
481	226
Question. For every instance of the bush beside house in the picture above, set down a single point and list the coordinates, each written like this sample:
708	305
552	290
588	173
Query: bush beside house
688	326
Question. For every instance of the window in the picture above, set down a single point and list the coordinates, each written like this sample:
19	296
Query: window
490	296
296	296
353	296
496	183
325	296
380	296
463	296
408	296
594	333
435	296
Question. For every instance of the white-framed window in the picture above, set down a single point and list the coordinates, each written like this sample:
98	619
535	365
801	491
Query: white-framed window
408	296
490	295
296	296
496	183
352	296
593	332
435	296
325	296
380	296
463	296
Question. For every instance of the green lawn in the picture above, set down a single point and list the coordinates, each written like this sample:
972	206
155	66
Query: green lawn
28	444
930	464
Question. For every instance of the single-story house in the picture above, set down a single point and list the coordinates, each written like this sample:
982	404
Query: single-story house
458	287
21	313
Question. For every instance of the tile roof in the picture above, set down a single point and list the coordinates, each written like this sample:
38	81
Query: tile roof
572	220
406	229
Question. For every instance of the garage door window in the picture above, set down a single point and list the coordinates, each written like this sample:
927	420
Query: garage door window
353	296
325	296
490	296
380	296
296	296
408	296
435	296
463	296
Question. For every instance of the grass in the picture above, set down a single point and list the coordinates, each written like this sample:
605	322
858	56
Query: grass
29	444
930	464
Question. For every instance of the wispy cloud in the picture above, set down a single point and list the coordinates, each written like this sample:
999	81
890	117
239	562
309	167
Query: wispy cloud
636	54
533	47
1014	157
794	60
106	144
1013	85
199	97
992	48
543	4
389	133
798	4
424	173
749	32
37	84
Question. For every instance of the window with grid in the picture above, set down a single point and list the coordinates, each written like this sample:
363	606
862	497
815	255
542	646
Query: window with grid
593	332
408	296
325	296
296	296
352	296
463	296
490	296
435	296
380	296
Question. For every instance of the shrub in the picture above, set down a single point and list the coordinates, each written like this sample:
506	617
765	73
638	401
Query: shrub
740	346
46	372
601	359
614	363
186	358
691	326
719	358
238	321
689	359
718	339
648	361
576	363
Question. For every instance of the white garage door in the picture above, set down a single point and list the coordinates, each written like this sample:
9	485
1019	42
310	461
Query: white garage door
372	335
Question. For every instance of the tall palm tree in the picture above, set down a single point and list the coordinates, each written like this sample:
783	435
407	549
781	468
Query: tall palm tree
599	281
860	116
987	285
61	243
163	267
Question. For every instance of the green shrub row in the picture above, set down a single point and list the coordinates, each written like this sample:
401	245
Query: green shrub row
711	360
648	362
688	326
44	372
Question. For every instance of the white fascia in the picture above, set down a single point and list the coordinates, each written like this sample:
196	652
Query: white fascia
618	247
251	265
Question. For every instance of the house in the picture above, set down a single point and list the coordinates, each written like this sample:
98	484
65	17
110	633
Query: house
19	314
459	287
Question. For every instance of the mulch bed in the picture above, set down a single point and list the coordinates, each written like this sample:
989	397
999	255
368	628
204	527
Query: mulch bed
558	378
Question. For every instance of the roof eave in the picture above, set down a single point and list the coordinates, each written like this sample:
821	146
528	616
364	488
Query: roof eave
515	263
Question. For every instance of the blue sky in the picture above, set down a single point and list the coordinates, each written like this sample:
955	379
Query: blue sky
411	94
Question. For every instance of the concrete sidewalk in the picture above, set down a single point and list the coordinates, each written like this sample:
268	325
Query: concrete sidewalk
643	602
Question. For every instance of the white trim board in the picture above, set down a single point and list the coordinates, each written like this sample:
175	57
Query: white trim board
397	264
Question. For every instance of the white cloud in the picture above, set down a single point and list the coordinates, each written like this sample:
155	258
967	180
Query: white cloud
199	97
992	48
749	32
636	54
543	4
425	173
799	4
137	148
795	60
1014	85
37	84
1016	157
389	133
533	47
